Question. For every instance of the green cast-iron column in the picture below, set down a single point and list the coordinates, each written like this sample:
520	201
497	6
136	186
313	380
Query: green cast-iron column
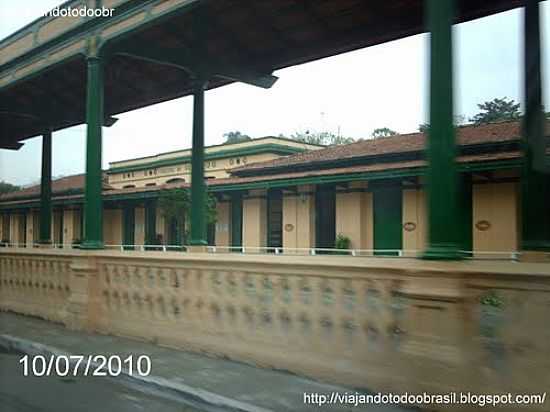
198	187
93	204
535	178
442	179
46	189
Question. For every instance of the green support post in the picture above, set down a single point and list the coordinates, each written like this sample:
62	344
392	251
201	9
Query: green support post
93	204
198	186
442	178
46	189
535	185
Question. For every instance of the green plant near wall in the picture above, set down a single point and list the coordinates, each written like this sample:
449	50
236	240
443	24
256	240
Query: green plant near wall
342	242
176	204
491	299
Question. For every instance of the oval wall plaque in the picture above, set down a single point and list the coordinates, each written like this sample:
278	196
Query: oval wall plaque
483	225
289	227
409	226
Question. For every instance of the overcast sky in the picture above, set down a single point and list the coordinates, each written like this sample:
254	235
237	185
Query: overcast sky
381	86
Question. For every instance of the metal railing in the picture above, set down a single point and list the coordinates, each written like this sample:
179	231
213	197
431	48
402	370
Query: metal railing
381	253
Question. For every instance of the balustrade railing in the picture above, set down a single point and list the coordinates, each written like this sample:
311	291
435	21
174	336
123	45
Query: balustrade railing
387	324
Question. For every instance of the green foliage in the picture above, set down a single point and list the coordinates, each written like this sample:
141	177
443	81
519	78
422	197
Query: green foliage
382	132
235	137
6	187
491	299
176	204
424	127
211	209
458	120
497	110
342	242
321	138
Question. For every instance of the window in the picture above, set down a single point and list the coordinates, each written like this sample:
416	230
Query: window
176	180
150	184
129	186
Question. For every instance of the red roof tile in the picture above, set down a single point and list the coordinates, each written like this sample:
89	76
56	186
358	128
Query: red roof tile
497	132
60	185
413	142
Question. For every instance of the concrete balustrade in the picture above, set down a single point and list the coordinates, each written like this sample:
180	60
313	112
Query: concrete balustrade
389	325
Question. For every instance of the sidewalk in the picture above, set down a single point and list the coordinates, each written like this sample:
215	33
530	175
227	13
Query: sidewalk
223	383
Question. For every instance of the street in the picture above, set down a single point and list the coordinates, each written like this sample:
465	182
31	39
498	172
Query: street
20	393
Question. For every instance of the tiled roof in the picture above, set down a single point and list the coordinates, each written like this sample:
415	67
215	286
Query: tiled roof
61	185
413	142
377	167
498	132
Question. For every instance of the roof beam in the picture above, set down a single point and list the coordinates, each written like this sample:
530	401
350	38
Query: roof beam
184	60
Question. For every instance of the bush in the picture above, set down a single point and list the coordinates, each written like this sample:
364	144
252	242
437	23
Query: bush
342	242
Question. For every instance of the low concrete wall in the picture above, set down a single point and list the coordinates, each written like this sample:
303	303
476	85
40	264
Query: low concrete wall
385	324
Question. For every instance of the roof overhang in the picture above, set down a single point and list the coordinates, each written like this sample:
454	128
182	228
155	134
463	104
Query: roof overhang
154	48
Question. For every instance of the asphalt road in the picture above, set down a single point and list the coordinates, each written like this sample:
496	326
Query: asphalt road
20	393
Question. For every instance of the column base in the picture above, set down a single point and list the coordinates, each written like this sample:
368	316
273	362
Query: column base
92	245
442	252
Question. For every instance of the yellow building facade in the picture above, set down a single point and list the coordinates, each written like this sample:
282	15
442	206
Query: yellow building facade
371	193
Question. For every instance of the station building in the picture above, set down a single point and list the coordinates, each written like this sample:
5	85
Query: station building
278	195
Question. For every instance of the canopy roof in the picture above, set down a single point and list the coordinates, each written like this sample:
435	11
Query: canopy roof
156	47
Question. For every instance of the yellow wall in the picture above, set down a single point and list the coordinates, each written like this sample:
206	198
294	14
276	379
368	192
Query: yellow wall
223	227
255	219
30	228
57	217
68	227
36	226
112	226
212	169
299	218
71	227
495	210
354	218
415	219
14	228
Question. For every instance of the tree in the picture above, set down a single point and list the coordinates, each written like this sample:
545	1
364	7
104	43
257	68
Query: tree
321	138
235	137
497	110
424	127
382	132
458	120
6	187
175	205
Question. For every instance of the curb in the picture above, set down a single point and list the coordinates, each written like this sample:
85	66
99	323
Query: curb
154	383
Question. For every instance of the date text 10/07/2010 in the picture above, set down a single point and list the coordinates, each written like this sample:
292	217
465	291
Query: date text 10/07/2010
87	365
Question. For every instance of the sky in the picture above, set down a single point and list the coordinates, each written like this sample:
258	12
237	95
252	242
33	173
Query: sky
351	94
